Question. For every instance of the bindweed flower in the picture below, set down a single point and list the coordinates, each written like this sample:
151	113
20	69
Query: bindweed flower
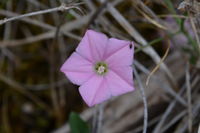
101	66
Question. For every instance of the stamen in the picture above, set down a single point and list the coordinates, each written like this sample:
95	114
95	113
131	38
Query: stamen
101	68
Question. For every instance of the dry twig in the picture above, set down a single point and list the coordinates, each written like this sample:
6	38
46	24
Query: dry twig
189	98
62	7
23	91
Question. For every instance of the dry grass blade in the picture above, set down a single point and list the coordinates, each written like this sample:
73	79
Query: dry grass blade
174	120
151	20
165	86
135	34
50	34
158	127
158	65
172	15
179	116
28	40
23	91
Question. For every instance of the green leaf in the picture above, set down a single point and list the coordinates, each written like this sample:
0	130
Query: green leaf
77	125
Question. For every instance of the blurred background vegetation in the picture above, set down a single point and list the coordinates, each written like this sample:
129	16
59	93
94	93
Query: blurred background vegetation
36	97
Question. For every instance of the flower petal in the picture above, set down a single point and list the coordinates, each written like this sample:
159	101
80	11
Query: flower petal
114	45
77	69
120	55
95	90
126	73
117	85
92	45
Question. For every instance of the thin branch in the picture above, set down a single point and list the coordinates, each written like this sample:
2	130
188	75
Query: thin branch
23	91
27	20
45	25
65	29
94	119
62	7
5	119
62	48
189	98
184	125
96	14
165	86
28	40
144	100
97	118
178	117
174	120
100	118
53	90
44	86
158	127
150	123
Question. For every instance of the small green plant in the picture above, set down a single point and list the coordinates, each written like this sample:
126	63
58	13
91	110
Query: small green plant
77	125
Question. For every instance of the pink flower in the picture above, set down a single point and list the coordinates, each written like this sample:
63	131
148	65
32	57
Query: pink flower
101	66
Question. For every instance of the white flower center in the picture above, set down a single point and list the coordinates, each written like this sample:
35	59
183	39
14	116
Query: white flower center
101	68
